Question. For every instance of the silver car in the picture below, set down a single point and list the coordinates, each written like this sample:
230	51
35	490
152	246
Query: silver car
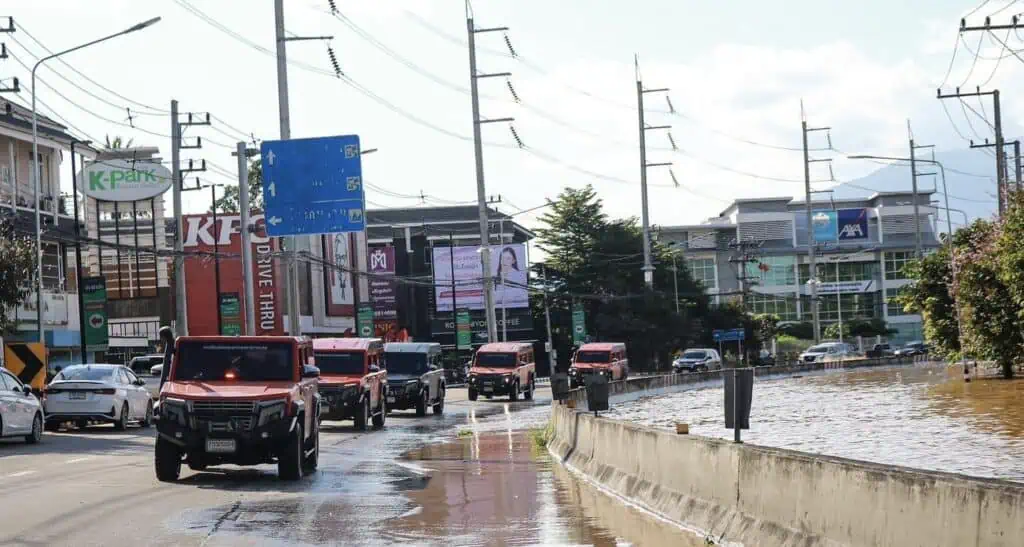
21	414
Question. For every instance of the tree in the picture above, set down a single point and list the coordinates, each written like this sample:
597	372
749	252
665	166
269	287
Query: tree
228	202
17	270
117	143
767	325
931	296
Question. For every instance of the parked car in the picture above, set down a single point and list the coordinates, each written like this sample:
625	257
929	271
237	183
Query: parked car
144	364
828	351
880	350
606	359
156	370
21	414
505	368
912	349
352	380
103	393
243	400
765	359
415	377
698	360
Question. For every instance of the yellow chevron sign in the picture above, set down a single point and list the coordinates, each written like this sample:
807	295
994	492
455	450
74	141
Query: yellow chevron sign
27	361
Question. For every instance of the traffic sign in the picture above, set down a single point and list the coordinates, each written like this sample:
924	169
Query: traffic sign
313	186
731	335
579	324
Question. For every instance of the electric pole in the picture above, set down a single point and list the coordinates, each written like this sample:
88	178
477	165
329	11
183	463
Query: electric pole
811	243
249	297
1017	162
552	356
997	126
481	191
648	267
914	189
180	309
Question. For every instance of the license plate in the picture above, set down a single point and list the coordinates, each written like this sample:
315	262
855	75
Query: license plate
391	399
221	446
488	389
77	396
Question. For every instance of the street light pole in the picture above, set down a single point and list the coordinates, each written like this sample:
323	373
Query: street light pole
37	172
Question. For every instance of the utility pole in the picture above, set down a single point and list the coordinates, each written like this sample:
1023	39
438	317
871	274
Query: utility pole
216	257
648	267
180	311
1017	165
997	127
243	205
742	259
291	270
481	191
913	187
552	357
811	243
78	254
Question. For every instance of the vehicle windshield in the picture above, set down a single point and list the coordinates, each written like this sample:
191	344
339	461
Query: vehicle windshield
495	359
85	373
695	355
405	363
819	349
245	362
593	357
341	362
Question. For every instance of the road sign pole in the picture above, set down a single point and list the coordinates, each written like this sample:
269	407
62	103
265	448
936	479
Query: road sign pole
291	270
243	204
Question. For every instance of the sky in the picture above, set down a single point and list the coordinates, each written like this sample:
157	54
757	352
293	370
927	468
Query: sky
737	74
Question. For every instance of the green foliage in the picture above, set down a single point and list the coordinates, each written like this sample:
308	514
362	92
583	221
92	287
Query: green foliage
767	325
858	327
228	201
832	331
930	296
117	143
803	331
17	270
787	344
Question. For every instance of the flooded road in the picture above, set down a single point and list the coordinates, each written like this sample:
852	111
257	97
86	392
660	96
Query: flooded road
916	416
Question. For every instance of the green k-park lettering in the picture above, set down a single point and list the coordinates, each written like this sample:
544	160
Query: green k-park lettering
99	180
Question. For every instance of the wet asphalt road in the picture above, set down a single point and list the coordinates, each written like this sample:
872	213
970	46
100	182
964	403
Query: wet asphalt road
468	477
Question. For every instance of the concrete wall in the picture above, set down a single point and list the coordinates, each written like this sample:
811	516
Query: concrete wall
744	494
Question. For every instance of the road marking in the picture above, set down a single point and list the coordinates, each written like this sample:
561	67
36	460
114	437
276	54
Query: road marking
19	474
76	460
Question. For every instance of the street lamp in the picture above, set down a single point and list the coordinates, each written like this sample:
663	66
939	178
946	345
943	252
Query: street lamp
37	171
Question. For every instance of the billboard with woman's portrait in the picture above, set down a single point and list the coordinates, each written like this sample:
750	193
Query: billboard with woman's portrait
509	271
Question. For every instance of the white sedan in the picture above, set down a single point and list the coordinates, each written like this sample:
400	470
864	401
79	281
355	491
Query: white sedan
21	415
98	393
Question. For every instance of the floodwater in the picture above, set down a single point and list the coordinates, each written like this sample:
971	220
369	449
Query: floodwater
921	416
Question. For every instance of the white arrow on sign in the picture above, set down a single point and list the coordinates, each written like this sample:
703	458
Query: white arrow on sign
275	220
273	189
270	157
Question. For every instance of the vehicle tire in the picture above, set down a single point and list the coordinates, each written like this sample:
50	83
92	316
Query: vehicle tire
311	462
439	405
702	368
37	430
197	466
148	420
362	415
529	390
378	419
472	394
122	422
289	461
514	394
82	424
167	460
421	405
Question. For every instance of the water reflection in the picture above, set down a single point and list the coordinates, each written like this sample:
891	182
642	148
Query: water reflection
916	416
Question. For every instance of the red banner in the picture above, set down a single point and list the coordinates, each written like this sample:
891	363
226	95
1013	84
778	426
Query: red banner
200	283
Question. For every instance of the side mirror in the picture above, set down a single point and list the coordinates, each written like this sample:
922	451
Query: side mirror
310	371
25	389
140	382
374	368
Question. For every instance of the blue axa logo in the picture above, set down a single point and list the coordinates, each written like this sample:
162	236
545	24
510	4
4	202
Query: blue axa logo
852	231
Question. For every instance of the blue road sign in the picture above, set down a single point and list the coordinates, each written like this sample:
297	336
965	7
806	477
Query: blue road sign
731	335
313	186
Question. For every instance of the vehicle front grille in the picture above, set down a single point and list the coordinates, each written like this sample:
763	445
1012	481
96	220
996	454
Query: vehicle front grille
230	426
208	410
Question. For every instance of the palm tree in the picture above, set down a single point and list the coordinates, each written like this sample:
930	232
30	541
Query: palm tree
117	143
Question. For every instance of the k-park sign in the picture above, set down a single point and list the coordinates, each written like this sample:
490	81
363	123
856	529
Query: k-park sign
125	180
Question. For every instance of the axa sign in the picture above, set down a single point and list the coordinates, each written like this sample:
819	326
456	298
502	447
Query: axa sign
125	180
853	224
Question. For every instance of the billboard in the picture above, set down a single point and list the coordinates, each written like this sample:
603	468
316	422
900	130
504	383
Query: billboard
518	324
509	273
383	293
339	250
840	225
124	180
202	297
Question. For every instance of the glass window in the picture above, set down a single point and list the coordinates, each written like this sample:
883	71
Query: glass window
894	263
894	307
695	354
340	362
243	361
703	270
86	373
773	271
6	383
405	362
496	359
848	271
782	305
854	306
593	357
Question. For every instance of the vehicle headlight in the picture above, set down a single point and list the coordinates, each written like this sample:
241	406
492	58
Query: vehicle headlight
472	377
508	378
173	410
270	412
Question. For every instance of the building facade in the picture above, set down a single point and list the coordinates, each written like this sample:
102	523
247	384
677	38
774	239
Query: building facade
862	246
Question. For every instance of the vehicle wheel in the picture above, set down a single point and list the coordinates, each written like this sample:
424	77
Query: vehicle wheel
197	466
148	420
421	405
313	460
122	422
362	414
472	394
514	394
167	460
37	430
702	368
82	424
378	419
289	461
529	390
439	405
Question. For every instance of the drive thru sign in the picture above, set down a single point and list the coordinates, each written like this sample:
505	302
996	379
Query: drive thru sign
313	186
